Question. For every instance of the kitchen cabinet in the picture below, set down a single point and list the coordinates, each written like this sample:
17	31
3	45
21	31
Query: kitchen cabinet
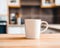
15	30
14	3
3	7
57	2
47	3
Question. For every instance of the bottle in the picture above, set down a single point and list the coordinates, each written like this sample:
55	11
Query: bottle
12	18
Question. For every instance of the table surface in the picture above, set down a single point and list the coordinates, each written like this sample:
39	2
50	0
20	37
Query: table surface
19	41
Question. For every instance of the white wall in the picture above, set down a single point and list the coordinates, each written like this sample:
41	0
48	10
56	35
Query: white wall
4	10
57	2
3	7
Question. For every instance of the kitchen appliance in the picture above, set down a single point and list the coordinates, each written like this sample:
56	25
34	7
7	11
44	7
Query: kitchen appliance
13	19
3	25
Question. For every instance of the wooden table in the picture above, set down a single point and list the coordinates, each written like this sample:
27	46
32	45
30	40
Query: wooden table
19	41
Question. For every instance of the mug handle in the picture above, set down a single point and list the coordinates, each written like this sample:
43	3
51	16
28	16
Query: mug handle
46	26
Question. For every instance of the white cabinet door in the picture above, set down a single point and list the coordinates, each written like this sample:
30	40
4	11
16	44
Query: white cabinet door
3	7
14	3
57	2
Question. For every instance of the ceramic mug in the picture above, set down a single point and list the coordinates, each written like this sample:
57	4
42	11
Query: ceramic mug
33	27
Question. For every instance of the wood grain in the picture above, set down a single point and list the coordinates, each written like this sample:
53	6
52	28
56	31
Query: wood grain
19	41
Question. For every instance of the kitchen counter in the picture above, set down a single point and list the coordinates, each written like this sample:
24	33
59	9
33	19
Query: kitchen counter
16	29
15	25
21	29
19	41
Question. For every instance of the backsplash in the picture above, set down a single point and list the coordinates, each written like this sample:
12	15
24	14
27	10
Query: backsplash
34	12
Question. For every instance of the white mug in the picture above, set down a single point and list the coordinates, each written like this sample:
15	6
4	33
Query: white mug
33	28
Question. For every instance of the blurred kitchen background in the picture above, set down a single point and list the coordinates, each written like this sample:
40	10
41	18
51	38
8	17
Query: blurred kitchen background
32	9
13	13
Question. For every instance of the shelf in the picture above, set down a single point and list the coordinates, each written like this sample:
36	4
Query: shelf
47	6
14	6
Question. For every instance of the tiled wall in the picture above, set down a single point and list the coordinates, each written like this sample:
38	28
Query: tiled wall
31	9
30	2
47	15
56	12
35	12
